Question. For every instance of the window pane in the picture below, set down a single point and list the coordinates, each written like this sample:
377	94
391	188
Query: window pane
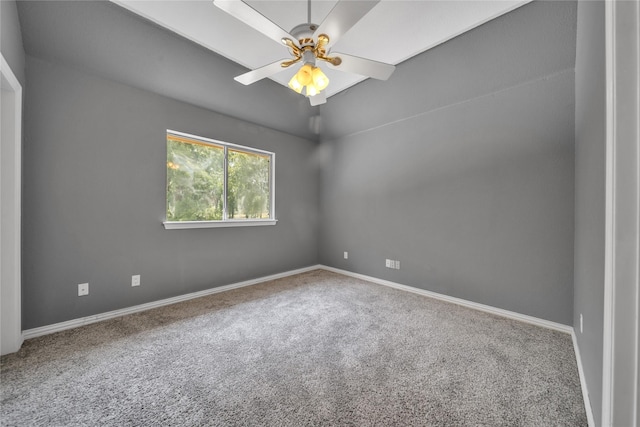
195	180
248	194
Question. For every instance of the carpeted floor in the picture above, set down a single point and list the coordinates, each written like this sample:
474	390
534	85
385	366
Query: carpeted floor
313	349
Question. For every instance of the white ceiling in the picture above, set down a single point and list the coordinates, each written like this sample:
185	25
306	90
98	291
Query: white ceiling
393	31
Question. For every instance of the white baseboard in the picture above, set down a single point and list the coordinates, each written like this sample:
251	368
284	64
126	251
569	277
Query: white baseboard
57	327
459	301
583	382
49	329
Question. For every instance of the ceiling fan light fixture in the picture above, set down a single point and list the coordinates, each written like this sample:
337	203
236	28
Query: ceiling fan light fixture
304	74
320	80
308	43
312	90
295	85
309	77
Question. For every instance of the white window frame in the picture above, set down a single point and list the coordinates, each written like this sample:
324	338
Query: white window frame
225	221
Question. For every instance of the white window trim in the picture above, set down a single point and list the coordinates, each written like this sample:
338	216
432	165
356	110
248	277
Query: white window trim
181	225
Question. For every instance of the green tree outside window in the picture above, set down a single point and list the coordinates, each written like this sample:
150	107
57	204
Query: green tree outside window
196	181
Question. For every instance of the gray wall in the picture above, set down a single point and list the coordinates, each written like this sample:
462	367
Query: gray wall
461	167
11	38
466	177
589	255
94	199
116	44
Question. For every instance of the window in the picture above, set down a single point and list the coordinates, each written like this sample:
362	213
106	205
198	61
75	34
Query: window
217	184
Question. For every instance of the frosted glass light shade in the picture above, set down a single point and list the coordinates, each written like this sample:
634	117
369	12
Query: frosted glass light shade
310	77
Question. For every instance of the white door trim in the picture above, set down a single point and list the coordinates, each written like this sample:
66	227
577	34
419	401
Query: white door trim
622	241
11	207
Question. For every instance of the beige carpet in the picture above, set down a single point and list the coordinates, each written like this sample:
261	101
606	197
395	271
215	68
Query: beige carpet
313	349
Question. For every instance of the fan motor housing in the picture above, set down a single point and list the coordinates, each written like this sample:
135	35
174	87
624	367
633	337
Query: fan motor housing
304	34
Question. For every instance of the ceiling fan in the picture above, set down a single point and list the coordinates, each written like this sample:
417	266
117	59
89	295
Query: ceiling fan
309	43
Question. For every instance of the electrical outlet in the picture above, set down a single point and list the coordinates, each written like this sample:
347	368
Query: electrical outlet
135	280
397	265
83	289
387	263
346	255
581	324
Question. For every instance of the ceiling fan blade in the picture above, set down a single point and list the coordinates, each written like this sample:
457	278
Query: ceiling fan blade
364	67
245	13
260	73
318	99
343	16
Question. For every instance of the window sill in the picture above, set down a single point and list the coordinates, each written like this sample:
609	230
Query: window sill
178	225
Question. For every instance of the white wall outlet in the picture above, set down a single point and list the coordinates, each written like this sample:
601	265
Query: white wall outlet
392	263
83	289
346	255
135	280
581	325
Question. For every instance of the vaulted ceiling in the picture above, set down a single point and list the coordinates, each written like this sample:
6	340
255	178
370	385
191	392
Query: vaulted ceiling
112	42
393	31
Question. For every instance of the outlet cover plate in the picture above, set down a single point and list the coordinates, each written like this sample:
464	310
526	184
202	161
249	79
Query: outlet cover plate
83	289
135	280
